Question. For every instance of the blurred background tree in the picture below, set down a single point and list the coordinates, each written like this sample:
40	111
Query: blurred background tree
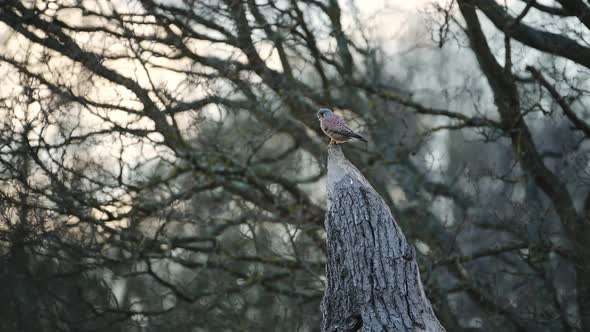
162	168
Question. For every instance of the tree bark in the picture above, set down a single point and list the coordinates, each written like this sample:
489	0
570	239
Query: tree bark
373	282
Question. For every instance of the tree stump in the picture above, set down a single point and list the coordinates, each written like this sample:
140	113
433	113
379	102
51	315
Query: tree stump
373	282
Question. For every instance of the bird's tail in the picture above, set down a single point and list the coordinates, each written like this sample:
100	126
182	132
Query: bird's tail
359	137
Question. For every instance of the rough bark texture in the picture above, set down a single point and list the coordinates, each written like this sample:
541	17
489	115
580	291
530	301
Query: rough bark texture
373	282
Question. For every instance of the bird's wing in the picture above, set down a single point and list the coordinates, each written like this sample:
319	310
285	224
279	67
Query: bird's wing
337	125
345	131
349	133
339	120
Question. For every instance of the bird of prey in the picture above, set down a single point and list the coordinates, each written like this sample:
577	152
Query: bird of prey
335	127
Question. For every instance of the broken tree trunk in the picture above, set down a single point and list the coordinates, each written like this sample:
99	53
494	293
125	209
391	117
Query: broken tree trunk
373	282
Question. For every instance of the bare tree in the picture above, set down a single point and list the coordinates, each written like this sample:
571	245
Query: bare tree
161	165
512	110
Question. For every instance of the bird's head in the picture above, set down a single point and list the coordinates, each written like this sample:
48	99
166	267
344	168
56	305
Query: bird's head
324	113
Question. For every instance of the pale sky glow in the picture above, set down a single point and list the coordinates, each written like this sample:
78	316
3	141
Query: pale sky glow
397	26
392	24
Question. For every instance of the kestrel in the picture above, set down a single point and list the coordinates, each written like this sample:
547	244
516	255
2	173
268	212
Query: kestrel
335	127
